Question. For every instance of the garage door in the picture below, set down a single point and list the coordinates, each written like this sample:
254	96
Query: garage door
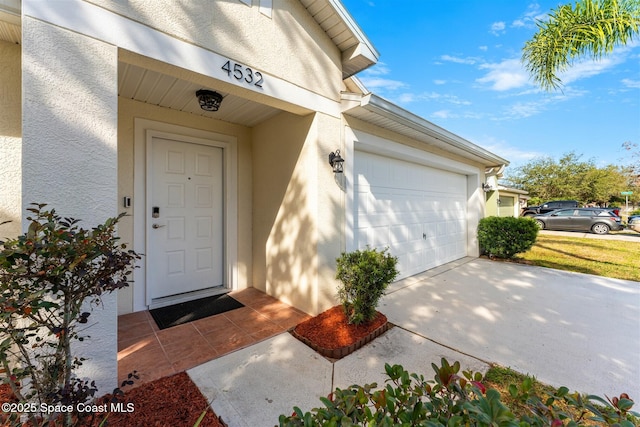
417	211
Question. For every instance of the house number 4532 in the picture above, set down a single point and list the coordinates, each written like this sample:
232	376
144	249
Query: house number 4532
246	74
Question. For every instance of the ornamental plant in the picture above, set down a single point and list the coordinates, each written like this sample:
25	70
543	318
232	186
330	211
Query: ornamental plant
504	237
455	398
365	274
51	278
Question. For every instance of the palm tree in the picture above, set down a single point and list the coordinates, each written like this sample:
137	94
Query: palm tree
590	28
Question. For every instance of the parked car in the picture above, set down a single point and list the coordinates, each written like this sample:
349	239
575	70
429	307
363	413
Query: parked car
596	220
548	207
633	222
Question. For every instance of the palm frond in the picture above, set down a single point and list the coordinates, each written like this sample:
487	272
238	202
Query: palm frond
591	28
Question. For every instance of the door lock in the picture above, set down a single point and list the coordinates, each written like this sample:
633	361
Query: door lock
155	212
157	226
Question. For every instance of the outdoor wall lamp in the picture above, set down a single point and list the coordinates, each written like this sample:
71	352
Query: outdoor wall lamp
209	100
336	161
486	187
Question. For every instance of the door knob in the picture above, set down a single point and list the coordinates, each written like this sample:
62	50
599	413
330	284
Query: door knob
157	226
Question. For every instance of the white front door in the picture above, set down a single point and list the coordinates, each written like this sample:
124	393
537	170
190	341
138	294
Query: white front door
184	218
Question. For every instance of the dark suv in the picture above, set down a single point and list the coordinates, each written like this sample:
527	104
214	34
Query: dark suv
548	207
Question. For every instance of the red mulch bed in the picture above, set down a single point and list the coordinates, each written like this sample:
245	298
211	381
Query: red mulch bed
169	401
176	401
330	334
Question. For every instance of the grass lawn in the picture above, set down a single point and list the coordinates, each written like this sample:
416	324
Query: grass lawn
500	378
608	258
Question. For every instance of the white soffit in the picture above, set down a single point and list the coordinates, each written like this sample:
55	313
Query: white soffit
10	29
357	51
380	112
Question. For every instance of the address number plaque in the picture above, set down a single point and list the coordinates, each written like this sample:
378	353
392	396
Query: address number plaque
243	73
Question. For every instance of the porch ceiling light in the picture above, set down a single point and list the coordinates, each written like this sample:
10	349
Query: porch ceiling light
209	100
336	161
486	187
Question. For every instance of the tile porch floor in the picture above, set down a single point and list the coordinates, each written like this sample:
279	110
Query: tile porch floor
158	353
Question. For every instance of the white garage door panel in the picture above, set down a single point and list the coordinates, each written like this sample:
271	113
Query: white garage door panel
416	211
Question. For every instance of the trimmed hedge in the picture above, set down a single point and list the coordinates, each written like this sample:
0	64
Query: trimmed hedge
504	237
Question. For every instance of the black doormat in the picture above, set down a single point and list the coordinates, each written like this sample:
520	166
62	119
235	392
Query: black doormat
189	311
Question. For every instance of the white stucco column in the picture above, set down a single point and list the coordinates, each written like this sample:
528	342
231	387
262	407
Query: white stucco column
69	155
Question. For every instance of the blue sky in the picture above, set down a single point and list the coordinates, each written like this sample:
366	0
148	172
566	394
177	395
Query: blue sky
457	64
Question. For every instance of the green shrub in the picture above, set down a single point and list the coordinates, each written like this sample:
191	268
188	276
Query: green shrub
636	212
456	399
504	237
50	277
364	275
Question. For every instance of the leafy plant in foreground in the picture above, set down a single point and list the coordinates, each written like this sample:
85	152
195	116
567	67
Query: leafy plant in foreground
454	399
49	277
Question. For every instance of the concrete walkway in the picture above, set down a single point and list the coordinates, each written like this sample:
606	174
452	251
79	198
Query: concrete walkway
565	328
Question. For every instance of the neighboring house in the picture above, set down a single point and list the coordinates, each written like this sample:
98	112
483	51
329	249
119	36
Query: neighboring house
100	115
501	200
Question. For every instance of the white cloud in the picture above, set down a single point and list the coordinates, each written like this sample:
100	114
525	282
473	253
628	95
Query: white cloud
529	17
443	114
380	83
497	28
379	69
439	82
432	96
372	78
589	68
406	98
506	75
457	60
483	48
505	150
633	84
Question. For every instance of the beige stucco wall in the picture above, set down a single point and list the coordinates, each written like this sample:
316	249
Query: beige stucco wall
296	210
10	140
129	110
289	44
69	157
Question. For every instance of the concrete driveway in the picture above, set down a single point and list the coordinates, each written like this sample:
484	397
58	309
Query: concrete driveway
566	328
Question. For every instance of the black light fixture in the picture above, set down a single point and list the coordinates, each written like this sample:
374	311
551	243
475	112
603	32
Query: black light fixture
486	187
336	161
209	100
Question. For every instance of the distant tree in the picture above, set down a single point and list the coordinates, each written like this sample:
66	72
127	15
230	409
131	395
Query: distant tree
632	171
633	153
589	28
568	178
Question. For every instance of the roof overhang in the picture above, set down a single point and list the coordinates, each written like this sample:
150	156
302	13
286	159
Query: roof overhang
380	112
357	51
512	190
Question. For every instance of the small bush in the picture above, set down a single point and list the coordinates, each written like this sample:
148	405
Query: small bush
456	399
504	237
364	275
48	278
